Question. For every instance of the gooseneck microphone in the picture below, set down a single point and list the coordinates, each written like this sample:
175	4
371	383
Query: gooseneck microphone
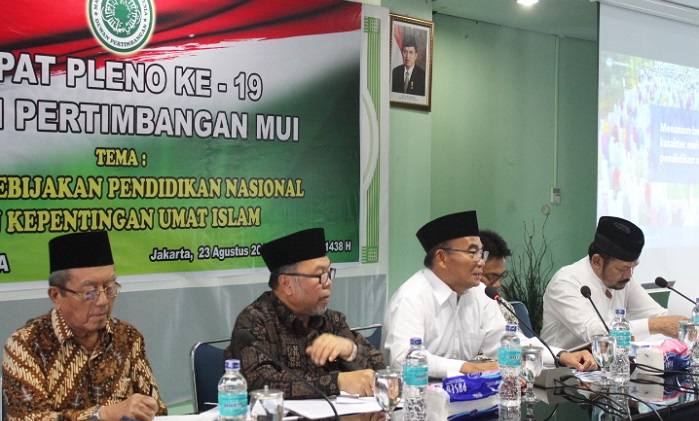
585	292
245	338
662	283
493	293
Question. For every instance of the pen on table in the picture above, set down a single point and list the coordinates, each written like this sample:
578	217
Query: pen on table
290	418
345	396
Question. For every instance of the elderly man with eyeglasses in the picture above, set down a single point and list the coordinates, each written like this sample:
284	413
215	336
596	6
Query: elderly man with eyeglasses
292	323
77	362
569	319
445	305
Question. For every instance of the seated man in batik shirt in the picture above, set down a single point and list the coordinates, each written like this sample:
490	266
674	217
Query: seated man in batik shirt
292	323
77	362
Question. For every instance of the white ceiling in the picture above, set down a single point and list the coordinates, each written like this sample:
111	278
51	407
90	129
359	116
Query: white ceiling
567	18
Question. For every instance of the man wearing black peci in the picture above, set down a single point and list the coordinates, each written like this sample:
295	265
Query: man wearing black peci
292	323
445	304
570	320
78	362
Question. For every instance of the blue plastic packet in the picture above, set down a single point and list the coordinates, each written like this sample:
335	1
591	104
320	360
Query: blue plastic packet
472	395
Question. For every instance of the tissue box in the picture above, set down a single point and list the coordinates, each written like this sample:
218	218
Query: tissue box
670	355
472	395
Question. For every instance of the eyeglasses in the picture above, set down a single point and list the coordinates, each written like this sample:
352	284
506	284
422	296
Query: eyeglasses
91	295
322	278
475	254
493	277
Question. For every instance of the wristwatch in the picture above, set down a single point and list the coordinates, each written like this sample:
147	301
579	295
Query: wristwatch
353	355
557	360
96	415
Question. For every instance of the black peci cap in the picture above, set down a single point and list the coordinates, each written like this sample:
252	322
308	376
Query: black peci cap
447	227
619	238
80	250
297	247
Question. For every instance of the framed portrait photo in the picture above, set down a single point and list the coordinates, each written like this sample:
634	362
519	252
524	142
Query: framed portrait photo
411	62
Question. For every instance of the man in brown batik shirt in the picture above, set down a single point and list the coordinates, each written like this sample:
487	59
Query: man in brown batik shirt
77	362
292	323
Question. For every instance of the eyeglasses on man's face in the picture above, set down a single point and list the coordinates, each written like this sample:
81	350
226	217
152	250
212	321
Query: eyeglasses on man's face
110	291
322	278
476	255
494	277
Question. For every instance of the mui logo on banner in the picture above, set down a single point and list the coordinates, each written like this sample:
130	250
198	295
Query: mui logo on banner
121	26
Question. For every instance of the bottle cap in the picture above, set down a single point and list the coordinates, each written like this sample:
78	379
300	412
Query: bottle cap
415	341
232	364
511	328
621	311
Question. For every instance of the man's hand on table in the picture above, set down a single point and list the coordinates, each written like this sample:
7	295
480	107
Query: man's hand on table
137	406
579	360
468	367
665	325
356	382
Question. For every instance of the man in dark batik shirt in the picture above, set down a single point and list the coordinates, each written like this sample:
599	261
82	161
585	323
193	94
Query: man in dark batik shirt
292	323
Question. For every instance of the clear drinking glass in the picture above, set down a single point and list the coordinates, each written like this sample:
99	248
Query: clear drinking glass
603	349
687	333
388	387
532	365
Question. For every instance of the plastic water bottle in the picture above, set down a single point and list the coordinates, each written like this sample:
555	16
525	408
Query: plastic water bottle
510	364
415	382
232	394
695	313
621	330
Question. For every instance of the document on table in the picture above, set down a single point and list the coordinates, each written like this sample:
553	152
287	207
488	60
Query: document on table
209	415
206	416
318	408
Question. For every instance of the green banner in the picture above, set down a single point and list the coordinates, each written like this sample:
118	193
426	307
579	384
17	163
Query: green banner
190	152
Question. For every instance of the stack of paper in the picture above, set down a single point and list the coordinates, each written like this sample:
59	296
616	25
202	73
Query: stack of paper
318	408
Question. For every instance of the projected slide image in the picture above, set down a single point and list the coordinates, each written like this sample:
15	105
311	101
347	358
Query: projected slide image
648	169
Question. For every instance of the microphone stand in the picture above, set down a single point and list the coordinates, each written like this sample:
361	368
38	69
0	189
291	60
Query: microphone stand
682	295
662	283
523	323
597	311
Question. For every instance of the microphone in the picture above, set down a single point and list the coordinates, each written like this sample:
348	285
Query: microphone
585	292
493	293
245	339
662	283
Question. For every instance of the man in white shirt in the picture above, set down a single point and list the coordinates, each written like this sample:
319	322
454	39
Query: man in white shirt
445	304
569	318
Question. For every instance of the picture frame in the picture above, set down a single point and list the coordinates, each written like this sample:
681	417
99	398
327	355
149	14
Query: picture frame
411	47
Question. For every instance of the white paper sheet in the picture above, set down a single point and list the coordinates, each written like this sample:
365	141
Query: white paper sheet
319	408
209	415
206	416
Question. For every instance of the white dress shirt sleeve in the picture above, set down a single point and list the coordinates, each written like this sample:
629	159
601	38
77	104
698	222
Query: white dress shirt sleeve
640	306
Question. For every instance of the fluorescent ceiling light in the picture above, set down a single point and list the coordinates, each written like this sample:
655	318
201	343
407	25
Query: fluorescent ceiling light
527	2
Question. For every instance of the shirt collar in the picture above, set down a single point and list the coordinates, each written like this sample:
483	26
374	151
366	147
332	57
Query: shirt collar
440	290
290	320
63	332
